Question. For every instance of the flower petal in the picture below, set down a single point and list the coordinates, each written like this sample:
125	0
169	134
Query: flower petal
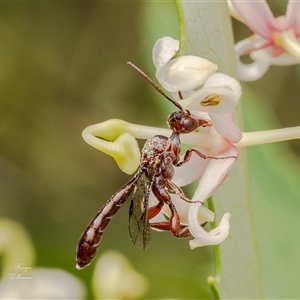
182	207
233	12
185	73
204	238
192	170
224	125
215	174
250	44
42	283
264	57
220	94
292	19
163	50
258	17
255	70
115	278
108	138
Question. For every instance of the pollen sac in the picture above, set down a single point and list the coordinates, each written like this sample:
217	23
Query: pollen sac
211	100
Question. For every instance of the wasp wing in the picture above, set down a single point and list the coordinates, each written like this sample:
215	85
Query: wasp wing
139	228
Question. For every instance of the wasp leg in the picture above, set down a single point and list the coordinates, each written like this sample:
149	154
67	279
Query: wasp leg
183	231
179	192
188	155
154	210
163	196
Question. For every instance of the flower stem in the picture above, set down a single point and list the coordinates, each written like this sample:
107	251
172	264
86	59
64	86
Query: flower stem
269	136
214	280
289	42
217	254
182	23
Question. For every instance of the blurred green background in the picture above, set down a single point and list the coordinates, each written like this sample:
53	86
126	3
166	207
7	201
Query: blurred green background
63	68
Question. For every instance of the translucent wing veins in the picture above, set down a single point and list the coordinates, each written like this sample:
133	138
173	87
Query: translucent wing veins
139	228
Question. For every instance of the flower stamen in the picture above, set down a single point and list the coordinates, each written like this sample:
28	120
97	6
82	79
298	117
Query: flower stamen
211	100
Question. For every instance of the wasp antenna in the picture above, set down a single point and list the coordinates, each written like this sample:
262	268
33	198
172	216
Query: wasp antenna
154	84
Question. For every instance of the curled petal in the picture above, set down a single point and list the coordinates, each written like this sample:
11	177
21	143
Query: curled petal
191	171
255	70
215	174
108	138
263	59
224	125
250	44
185	73
182	207
220	79
292	19
202	237
164	49
258	17
275	43
126	152
219	94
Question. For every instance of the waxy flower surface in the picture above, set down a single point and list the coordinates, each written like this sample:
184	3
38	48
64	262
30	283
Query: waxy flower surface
276	41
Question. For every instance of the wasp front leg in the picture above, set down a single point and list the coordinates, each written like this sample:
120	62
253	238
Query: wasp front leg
188	155
179	192
189	152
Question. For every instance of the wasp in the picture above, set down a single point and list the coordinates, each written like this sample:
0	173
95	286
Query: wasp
160	155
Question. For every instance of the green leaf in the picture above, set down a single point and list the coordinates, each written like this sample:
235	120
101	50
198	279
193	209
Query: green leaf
275	189
207	33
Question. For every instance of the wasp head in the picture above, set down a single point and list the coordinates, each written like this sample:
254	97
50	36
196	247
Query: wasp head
184	122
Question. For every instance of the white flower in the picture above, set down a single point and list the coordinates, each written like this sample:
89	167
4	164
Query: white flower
115	278
201	90
220	94
276	41
182	73
209	96
41	283
21	280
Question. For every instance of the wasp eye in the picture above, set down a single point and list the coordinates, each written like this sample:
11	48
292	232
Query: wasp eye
190	124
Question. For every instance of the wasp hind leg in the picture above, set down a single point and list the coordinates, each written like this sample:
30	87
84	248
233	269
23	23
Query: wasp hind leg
173	224
183	231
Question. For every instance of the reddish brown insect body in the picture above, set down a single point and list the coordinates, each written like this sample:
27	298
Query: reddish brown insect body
159	157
